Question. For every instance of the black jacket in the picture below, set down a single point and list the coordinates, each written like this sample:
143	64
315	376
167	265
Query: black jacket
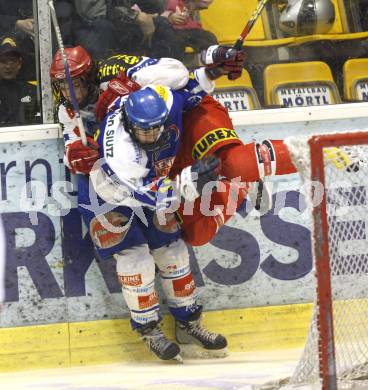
18	103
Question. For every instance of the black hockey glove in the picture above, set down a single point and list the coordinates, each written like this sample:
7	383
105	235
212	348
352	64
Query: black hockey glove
223	60
202	172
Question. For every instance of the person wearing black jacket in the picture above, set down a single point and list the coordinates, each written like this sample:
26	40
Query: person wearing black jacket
18	98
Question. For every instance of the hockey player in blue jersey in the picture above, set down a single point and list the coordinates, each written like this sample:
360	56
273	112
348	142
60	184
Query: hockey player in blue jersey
138	142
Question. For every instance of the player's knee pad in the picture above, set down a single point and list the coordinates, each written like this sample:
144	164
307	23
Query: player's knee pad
176	275
136	272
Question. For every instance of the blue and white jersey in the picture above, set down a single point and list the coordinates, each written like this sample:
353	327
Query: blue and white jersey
128	174
144	70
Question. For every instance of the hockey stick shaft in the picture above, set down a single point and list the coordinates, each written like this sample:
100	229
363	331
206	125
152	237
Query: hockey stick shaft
67	73
251	22
247	29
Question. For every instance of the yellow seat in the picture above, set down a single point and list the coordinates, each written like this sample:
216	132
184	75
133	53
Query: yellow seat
299	84
227	19
236	95
355	73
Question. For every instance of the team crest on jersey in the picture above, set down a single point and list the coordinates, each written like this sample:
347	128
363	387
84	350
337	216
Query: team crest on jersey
162	167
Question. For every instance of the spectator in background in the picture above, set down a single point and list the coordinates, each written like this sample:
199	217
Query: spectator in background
188	31
142	30
17	15
66	14
17	19
18	99
93	29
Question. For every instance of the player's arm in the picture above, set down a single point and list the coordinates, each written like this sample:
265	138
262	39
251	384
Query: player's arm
223	60
77	157
165	71
123	186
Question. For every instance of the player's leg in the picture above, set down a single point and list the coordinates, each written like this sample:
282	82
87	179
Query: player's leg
172	259
242	165
136	272
119	233
209	130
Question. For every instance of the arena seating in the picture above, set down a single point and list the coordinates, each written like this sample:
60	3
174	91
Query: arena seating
237	95
228	25
299	84
355	75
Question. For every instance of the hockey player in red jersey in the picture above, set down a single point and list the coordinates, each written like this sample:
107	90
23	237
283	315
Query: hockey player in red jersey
209	131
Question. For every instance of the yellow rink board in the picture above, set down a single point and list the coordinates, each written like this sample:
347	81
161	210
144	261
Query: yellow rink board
107	341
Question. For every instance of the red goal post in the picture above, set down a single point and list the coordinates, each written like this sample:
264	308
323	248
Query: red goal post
326	345
336	352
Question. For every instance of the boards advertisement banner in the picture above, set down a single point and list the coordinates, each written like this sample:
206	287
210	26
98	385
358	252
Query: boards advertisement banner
52	274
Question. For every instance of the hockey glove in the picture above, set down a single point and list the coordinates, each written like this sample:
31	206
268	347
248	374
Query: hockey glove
202	171
117	87
80	158
223	60
167	194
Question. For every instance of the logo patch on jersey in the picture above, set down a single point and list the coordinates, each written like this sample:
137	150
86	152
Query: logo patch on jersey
130	280
101	236
162	91
212	138
147	301
184	287
112	66
162	167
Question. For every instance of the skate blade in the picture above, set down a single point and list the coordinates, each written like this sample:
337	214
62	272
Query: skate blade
176	360
193	351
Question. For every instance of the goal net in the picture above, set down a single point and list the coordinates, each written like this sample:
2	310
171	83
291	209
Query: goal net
335	168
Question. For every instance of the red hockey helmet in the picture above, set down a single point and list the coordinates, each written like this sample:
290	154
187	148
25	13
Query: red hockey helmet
79	60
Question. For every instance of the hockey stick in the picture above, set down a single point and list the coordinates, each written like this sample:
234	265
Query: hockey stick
67	73
248	27
238	45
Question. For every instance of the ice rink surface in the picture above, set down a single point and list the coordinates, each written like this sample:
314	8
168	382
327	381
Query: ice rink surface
237	371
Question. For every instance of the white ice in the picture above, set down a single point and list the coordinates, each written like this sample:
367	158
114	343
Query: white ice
238	371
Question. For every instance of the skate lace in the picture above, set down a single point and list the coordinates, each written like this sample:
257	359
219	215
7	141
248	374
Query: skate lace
156	340
196	328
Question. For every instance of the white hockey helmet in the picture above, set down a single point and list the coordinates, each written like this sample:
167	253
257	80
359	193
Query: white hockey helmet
307	17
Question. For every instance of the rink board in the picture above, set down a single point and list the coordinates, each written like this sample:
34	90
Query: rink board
107	341
62	303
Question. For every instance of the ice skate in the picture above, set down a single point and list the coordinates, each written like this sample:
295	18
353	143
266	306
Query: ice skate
157	342
193	332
